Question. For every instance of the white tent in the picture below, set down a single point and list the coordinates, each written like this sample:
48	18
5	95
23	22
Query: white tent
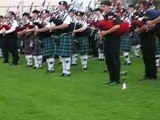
25	4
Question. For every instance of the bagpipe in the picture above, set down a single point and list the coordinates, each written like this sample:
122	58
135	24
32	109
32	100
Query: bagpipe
148	15
5	26
26	26
19	28
137	23
108	24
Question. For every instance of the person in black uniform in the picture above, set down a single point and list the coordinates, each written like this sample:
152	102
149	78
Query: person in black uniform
147	41
111	44
1	36
9	43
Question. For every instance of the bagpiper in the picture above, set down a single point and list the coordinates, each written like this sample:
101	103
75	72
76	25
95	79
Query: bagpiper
9	43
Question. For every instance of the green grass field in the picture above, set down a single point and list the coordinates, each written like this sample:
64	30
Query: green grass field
27	94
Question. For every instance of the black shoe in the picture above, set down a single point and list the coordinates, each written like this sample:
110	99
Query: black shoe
144	78
100	59
35	67
50	71
5	62
67	75
40	67
74	64
153	78
127	64
148	78
108	82
115	83
112	83
123	73
29	66
14	63
137	56
84	68
62	75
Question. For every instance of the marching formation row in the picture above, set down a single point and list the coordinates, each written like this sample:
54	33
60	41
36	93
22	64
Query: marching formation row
68	33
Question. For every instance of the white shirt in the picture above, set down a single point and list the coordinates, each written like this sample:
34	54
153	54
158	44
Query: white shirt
48	24
66	18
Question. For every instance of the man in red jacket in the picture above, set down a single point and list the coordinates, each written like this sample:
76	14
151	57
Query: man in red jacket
111	44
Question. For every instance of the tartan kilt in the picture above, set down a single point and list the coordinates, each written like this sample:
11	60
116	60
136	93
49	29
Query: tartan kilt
63	46
83	45
27	48
48	46
19	41
125	44
135	40
74	46
157	46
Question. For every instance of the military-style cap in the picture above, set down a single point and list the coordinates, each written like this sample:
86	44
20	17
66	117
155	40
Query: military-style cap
106	2
44	11
79	13
36	11
63	3
25	14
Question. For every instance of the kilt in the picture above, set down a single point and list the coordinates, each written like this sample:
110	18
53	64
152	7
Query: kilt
48	46
157	46
63	45
83	45
135	40
125	44
100	45
19	41
27	48
74	46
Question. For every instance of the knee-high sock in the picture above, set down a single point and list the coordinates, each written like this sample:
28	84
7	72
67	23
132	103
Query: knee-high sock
99	53
84	61
39	60
157	60
36	61
74	58
126	57
1	55
29	59
60	59
63	65
68	64
19	51
50	62
136	49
